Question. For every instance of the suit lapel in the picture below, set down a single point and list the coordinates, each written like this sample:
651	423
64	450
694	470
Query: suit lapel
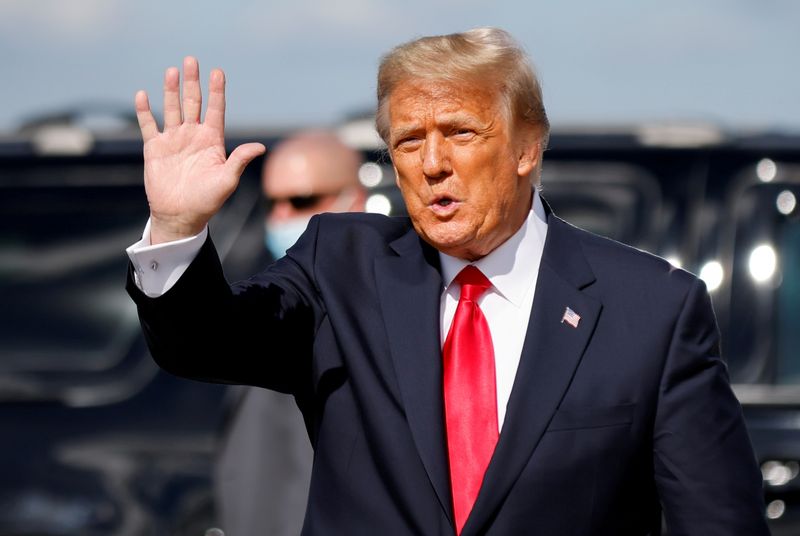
410	287
550	355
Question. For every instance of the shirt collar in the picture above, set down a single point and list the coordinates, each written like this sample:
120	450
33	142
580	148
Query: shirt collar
511	267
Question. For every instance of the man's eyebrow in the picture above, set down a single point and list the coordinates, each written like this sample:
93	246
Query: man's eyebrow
455	119
403	131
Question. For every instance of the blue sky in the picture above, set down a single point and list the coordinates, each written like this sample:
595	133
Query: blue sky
732	63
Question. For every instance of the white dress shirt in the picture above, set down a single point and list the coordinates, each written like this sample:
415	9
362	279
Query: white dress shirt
512	269
157	268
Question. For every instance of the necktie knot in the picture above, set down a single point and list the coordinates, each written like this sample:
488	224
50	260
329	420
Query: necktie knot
473	283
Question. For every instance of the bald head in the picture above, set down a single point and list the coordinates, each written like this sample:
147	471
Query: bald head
317	166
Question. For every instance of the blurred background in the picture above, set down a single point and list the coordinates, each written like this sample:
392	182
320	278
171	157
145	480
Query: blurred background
732	62
676	128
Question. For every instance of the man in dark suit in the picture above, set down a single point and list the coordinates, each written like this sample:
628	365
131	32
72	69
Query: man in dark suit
480	368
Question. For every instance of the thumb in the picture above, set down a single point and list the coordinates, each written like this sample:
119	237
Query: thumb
243	155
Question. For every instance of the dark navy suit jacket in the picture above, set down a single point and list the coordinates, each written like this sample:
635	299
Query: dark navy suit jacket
608	422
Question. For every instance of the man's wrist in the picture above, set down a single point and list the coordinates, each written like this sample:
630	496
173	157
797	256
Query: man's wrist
162	232
157	267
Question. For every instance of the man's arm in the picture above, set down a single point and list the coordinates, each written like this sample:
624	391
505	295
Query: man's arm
705	469
258	332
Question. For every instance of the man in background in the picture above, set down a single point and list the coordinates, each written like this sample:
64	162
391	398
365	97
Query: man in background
264	463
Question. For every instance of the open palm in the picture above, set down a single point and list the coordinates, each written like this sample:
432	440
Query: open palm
187	174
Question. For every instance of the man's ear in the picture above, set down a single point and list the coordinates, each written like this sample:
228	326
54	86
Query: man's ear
529	155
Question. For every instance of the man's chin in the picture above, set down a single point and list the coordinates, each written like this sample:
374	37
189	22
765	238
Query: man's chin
455	246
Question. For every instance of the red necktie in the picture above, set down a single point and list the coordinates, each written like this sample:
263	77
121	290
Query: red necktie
470	394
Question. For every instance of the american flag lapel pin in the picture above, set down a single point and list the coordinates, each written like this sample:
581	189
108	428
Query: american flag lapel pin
571	317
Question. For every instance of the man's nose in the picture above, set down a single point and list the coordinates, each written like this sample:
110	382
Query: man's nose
435	157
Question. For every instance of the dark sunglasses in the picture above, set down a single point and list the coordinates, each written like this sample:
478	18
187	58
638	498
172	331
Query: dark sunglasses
298	202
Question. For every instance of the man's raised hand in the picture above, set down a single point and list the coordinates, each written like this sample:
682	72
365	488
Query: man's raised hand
187	176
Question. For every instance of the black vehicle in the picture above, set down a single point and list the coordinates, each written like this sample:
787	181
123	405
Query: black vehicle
99	441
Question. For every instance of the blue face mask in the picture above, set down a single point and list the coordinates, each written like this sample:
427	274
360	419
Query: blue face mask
281	236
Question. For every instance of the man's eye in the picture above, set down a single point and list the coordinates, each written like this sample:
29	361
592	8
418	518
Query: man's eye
407	142
463	132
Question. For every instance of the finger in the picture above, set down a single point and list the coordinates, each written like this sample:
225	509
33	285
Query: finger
172	99
215	113
243	155
147	123
192	97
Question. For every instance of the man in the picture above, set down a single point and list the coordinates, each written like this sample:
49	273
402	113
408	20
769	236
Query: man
264	463
480	368
310	173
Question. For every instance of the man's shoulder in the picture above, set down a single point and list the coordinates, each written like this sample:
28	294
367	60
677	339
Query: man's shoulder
611	260
362	226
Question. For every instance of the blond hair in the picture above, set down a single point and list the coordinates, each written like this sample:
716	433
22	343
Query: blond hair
483	55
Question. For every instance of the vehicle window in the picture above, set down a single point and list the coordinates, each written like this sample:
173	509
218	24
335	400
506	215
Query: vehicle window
62	265
617	200
68	330
788	304
761	336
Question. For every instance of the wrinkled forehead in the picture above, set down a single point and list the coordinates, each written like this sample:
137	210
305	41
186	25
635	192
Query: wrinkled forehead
417	100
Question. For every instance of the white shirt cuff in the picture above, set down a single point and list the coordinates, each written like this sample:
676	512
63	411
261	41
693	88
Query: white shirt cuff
157	268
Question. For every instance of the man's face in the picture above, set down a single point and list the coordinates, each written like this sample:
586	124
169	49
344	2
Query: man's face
462	168
308	174
299	184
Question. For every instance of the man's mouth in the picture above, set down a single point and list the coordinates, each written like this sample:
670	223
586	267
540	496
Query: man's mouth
444	205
